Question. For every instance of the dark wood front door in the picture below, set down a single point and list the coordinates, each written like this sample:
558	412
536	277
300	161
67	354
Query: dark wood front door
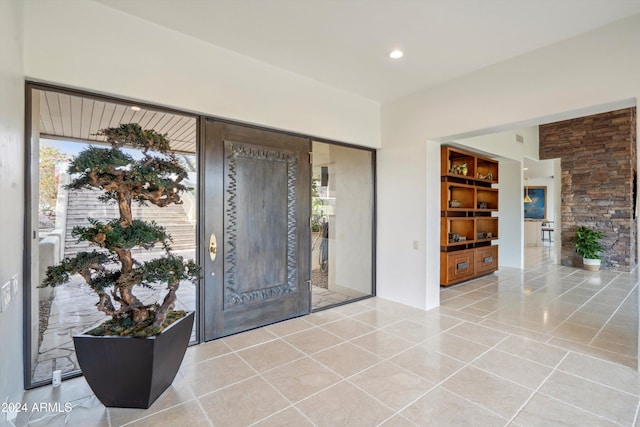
256	196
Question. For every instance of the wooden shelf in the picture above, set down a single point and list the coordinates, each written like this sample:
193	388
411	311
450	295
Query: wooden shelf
468	227
460	231
458	196
488	196
453	158
486	169
479	169
487	228
457	231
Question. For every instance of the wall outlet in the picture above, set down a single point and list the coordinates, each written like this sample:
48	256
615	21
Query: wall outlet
14	285
5	296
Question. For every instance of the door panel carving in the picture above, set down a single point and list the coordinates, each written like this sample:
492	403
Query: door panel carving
260	200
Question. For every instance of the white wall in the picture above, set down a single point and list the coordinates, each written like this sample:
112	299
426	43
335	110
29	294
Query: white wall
568	79
12	191
87	45
350	172
505	144
511	209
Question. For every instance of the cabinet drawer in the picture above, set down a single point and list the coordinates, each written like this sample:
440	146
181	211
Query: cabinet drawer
458	266
486	259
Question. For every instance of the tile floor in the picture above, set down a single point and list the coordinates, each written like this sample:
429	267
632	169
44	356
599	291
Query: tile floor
547	345
66	319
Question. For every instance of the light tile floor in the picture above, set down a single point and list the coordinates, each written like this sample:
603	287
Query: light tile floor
547	345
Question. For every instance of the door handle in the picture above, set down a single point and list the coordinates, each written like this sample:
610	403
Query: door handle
213	247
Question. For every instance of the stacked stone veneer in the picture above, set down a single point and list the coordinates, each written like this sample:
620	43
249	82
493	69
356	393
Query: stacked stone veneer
598	160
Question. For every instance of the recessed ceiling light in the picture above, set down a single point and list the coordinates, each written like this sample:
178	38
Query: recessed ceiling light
134	108
396	54
525	169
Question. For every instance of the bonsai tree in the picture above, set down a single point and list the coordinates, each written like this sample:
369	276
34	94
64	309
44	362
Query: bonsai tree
587	243
111	271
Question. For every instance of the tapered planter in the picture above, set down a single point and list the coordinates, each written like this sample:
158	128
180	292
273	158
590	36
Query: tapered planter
131	372
591	264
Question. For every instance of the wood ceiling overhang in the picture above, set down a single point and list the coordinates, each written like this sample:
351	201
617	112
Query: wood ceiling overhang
76	118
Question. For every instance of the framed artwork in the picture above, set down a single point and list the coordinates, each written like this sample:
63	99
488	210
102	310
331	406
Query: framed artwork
537	208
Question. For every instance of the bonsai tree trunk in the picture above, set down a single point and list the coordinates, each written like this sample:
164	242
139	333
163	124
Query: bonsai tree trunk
124	206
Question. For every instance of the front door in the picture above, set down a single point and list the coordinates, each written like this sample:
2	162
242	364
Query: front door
256	213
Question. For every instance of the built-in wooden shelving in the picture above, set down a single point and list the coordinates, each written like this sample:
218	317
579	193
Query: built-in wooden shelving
468	216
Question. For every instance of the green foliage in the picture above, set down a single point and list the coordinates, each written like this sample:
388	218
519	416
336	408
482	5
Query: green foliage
111	235
155	174
108	165
155	179
316	222
99	161
132	135
127	327
317	207
170	269
102	280
89	264
587	243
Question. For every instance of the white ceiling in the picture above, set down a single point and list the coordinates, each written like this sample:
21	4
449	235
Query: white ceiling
344	43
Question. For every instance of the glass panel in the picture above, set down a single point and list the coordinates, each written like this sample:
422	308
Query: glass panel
342	224
61	312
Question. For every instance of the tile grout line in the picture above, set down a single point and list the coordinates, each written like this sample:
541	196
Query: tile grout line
309	356
440	384
291	404
381	361
613	353
204	412
635	417
557	369
342	378
537	390
168	408
580	307
578	408
258	374
614	313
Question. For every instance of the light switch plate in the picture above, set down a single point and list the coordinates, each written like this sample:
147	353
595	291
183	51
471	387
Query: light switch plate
5	298
14	285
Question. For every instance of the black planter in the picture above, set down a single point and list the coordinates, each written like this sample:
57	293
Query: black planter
130	372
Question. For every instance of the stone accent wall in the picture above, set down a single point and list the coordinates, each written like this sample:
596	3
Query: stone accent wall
598	161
